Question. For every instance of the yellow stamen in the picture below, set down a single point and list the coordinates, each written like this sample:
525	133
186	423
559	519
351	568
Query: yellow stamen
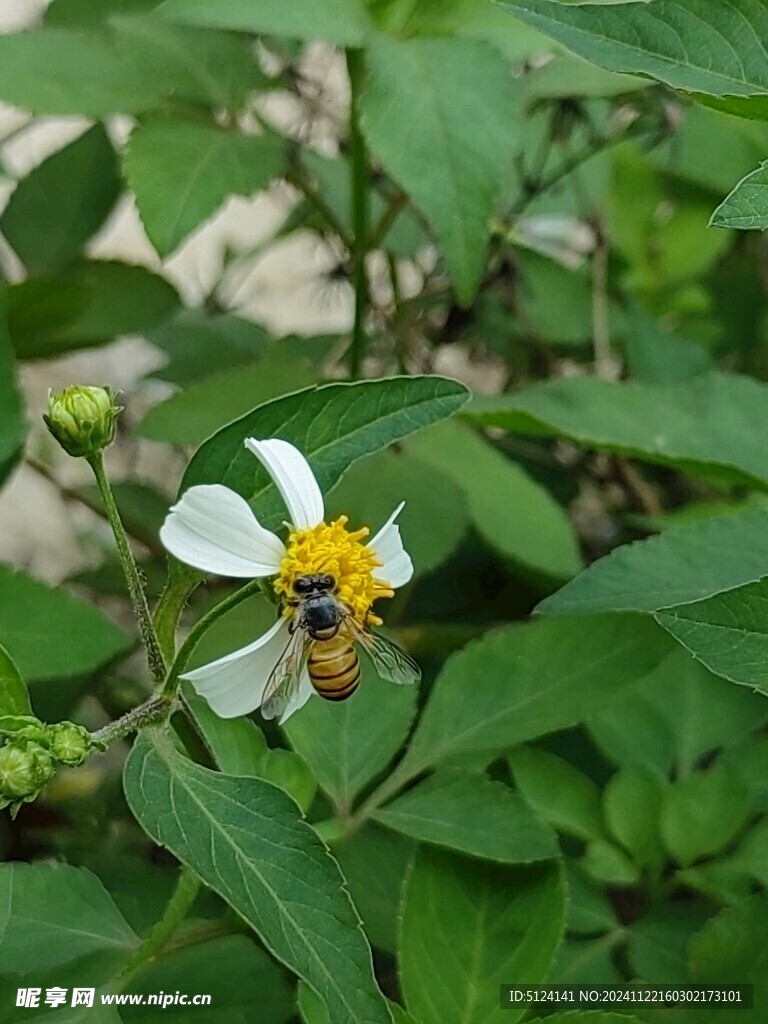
331	548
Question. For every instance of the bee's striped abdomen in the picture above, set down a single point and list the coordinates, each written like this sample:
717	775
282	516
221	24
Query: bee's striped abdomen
334	668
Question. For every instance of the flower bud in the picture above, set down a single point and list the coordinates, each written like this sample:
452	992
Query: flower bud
82	419
25	767
69	743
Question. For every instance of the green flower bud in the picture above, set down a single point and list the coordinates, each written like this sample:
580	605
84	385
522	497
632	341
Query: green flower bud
82	419
25	767
70	744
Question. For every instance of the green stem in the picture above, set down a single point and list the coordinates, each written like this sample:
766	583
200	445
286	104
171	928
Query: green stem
403	773
131	571
151	712
387	219
297	177
171	684
359	211
181	582
183	896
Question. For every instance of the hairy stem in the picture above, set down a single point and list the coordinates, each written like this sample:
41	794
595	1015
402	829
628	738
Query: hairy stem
151	712
359	212
131	571
185	893
171	684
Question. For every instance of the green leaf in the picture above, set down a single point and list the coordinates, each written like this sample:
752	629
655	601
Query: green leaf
656	357
239	748
53	914
469	926
746	207
680	714
135	64
453	150
51	635
732	947
87	13
347	745
589	909
333	426
374	862
182	171
246	840
684	564
631	802
608	864
242	981
693	45
587	1016
727	632
206	406
12	426
334	21
536	679
14	698
434	519
658	943
700	814
710	423
558	792
197	344
86	305
514	514
63	202
471	814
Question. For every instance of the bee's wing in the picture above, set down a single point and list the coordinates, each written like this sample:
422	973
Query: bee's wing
390	660
285	677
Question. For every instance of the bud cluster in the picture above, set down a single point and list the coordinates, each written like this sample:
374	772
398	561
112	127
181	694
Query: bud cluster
31	753
82	419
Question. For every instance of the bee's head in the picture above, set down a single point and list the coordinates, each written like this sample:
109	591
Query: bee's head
317	583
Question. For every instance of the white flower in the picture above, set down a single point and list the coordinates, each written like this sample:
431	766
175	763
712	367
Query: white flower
214	529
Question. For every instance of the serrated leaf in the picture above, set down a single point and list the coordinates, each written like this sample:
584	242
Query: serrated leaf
62	202
727	632
468	926
333	426
247	841
14	698
452	151
86	305
135	64
514	514
54	914
746	207
535	679
685	564
709	424
693	45
333	21
182	171
374	861
558	792
348	745
608	864
471	814
51	635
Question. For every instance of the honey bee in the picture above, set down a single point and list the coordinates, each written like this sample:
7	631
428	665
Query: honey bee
324	635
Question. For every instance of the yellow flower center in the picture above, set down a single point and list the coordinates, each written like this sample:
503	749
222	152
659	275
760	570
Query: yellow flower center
333	549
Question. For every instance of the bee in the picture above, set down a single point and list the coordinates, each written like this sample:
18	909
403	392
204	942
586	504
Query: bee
324	635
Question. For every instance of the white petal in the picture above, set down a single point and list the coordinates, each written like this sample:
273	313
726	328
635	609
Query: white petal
300	698
293	478
234	684
398	567
214	529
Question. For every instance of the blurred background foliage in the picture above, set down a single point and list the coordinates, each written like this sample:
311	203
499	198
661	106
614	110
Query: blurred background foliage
439	188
